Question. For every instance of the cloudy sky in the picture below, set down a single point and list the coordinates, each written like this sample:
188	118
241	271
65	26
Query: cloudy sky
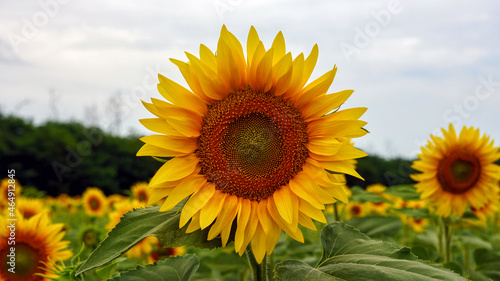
416	65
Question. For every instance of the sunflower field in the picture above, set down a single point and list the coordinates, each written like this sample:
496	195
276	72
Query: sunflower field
253	181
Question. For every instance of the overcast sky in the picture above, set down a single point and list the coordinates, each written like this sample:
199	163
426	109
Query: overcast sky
416	65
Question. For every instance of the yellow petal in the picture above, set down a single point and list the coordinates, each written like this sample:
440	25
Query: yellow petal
187	187
316	88
259	244
180	96
225	217
192	80
341	167
279	47
211	210
299	190
160	126
252	43
151	150
283	200
196	202
340	128
264	78
179	144
306	221
324	146
156	195
311	211
245	209
194	224
175	169
251	227
324	104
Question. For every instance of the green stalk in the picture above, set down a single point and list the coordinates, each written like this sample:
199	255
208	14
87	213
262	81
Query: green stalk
439	235
466	259
259	270
336	211
447	234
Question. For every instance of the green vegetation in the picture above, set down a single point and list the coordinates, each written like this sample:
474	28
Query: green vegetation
67	157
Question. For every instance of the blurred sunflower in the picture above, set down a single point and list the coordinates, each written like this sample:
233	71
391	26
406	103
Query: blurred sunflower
94	202
115	198
488	210
7	186
356	210
28	207
141	192
37	241
456	171
160	252
120	209
376	188
251	142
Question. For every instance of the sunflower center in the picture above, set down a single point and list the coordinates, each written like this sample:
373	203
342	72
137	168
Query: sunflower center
27	263
251	143
459	172
142	197
94	203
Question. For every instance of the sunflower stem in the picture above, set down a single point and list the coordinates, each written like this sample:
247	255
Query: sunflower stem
336	211
448	234
259	270
439	236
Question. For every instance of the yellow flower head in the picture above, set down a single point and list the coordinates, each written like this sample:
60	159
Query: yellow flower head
251	141
456	171
28	207
36	241
10	189
94	202
141	192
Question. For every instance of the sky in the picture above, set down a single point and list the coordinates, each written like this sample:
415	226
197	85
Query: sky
416	65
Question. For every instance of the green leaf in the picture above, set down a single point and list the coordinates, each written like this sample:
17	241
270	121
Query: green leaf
487	264
473	241
405	191
106	272
377	226
141	223
350	255
414	213
177	268
362	196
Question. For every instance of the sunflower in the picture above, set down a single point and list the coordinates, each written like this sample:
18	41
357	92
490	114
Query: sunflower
94	202
251	136
141	192
9	185
488	210
29	207
456	171
36	241
356	210
121	208
160	252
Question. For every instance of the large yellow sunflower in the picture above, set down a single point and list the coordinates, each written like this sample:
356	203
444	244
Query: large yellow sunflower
94	202
251	142
36	241
456	171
